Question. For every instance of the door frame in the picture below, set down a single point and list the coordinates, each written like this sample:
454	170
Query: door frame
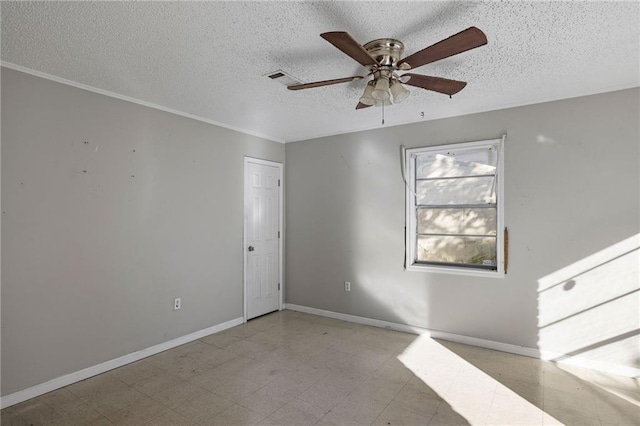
280	168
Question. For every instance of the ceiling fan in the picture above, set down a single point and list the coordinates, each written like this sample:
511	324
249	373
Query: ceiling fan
382	58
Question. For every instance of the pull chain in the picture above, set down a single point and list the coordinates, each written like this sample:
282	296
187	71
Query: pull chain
383	112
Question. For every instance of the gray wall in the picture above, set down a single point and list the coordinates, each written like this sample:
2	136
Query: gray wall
571	190
110	211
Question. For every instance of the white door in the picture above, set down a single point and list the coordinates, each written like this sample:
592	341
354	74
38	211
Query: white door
262	237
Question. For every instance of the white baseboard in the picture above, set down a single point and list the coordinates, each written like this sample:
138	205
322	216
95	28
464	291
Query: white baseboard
606	367
59	382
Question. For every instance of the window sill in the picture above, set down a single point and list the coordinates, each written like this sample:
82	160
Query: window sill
455	271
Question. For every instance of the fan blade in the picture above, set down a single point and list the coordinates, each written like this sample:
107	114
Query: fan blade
361	105
349	46
323	83
436	84
465	40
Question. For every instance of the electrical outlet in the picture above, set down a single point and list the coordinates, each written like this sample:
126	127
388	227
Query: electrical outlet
347	286
176	304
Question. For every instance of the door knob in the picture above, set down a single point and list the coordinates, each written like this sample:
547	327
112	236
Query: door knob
251	248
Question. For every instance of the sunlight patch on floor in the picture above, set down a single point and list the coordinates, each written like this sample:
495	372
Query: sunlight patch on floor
625	388
472	393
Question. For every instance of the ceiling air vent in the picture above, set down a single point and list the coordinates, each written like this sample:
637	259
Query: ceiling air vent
283	78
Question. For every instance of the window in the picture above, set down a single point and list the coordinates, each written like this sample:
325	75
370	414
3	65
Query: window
454	208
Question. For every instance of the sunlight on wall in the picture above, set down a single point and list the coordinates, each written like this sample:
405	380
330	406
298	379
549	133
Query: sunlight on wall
542	139
469	391
589	309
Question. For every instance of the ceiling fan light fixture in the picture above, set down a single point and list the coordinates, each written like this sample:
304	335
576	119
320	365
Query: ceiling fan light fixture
383	103
367	98
382	58
399	92
381	91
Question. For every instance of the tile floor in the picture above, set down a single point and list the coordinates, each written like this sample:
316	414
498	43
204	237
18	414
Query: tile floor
290	368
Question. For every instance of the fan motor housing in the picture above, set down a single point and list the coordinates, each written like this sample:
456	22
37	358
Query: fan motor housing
386	51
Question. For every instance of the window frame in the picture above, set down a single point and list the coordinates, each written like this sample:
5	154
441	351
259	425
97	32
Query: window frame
410	155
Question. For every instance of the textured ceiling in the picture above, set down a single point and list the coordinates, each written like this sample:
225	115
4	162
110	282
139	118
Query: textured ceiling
208	59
